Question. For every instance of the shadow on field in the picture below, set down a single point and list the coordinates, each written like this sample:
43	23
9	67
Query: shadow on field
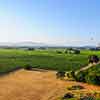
28	68
10	71
37	69
31	68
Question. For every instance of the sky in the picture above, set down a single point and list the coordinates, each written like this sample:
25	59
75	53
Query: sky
60	22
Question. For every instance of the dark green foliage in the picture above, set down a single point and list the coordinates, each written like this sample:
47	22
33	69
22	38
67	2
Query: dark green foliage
30	49
73	74
76	51
12	69
28	67
68	96
59	52
93	59
60	74
69	75
81	76
70	48
93	78
91	75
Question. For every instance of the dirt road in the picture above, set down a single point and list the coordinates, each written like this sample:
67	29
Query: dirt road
35	85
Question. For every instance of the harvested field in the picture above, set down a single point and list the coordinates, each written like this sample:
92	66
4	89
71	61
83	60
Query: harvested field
36	85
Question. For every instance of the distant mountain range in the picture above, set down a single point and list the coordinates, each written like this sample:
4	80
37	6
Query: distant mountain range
36	44
30	44
22	44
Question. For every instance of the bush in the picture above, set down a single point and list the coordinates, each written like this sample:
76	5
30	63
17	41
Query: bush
91	75
76	51
73	74
93	78
28	67
69	75
60	74
68	96
30	49
93	59
81	76
59	52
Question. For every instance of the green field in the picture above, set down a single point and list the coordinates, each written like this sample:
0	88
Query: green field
46	59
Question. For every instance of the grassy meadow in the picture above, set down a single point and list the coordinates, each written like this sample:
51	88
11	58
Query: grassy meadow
46	59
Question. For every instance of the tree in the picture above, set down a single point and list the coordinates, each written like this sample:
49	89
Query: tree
93	59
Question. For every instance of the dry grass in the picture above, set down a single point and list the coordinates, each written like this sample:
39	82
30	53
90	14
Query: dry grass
36	85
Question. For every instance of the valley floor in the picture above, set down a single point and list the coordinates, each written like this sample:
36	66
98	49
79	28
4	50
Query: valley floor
36	85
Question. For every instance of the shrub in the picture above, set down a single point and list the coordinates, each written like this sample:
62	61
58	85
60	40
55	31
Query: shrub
76	51
93	78
68	96
73	74
30	49
69	75
59	52
60	74
93	59
28	67
91	75
81	76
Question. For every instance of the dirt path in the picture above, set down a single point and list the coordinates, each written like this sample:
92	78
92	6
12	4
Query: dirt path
36	85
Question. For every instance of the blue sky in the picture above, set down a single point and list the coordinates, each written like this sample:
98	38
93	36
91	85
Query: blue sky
61	22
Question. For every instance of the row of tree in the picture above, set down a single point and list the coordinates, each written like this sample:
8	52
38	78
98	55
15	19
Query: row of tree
69	51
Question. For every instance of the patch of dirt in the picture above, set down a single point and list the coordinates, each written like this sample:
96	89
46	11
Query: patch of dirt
36	85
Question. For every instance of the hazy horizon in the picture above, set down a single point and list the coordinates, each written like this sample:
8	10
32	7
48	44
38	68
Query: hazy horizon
60	22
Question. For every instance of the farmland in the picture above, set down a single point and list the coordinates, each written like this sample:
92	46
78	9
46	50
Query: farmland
45	59
43	84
